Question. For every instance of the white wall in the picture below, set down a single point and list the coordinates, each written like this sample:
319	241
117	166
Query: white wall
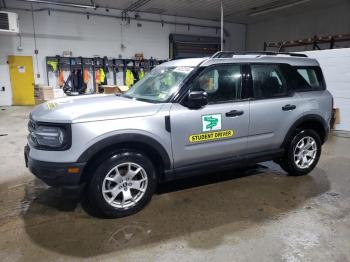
335	65
100	36
330	21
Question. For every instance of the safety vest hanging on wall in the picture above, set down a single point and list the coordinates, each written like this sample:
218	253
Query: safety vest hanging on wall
61	78
86	76
129	78
141	74
97	77
102	75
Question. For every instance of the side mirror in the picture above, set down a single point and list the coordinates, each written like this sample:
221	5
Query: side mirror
197	99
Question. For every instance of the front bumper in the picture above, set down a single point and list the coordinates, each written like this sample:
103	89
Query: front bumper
55	174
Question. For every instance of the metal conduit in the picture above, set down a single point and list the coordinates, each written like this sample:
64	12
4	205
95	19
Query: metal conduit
120	17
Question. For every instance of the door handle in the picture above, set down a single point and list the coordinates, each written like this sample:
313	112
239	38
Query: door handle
234	113
289	107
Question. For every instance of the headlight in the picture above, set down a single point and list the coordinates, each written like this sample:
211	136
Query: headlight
46	136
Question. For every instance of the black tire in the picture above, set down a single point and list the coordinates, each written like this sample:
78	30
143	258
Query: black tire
287	162
94	190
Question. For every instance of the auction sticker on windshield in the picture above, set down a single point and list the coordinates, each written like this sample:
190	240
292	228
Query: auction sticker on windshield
183	69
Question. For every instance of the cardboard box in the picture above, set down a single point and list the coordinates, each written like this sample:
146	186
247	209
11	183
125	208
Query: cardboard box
38	101
337	116
111	89
58	92
124	88
43	92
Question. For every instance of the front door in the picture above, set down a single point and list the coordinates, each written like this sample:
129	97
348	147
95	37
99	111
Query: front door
217	130
22	79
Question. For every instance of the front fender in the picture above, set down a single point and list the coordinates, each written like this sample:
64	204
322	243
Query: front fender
123	138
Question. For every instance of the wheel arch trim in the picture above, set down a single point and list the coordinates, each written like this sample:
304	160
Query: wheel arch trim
124	138
305	119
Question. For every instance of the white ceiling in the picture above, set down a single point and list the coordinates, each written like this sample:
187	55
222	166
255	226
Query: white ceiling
234	10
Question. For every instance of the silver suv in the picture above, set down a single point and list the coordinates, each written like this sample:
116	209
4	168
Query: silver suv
184	117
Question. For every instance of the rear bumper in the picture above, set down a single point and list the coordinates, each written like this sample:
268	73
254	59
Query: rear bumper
55	174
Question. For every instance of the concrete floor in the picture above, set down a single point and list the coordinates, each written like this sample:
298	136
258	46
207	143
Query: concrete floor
257	214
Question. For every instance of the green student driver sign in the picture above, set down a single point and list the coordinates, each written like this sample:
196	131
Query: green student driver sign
211	122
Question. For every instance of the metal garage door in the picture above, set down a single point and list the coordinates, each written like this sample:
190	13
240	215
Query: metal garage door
185	46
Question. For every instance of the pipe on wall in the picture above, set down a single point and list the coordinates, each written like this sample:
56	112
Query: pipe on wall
120	17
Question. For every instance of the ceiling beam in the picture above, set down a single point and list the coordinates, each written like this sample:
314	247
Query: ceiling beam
134	7
277	7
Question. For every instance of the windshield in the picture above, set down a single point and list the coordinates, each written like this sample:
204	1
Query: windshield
159	84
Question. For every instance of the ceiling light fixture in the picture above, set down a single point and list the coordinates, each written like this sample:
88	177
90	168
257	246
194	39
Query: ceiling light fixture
277	8
48	2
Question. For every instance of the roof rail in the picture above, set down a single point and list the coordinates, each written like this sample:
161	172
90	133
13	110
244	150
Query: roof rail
223	54
275	53
230	54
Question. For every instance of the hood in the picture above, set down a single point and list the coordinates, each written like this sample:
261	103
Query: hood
92	108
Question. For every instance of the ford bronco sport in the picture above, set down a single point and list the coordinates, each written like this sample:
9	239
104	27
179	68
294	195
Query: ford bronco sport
185	116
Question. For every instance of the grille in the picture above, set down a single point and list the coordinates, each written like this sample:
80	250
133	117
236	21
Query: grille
31	126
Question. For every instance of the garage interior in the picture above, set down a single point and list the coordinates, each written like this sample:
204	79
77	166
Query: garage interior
250	214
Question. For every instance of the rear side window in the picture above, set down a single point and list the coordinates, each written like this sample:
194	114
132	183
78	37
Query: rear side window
268	81
309	79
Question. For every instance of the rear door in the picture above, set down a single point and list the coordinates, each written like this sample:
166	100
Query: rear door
274	107
218	130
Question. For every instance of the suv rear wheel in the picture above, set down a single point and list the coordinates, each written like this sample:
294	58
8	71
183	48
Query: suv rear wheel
122	184
302	153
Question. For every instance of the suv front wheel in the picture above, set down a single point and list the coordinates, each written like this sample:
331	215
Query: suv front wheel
122	184
302	153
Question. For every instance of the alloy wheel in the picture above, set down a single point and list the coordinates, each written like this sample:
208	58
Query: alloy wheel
124	185
305	152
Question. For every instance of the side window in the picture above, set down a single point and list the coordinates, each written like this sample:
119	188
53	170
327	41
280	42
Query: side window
222	83
310	78
268	81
